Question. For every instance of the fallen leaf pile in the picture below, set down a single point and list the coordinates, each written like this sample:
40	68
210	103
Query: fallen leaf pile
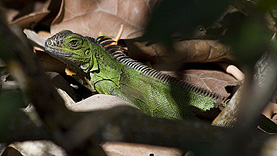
41	19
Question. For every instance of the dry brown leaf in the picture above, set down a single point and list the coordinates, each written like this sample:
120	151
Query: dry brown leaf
35	39
89	17
187	51
49	63
211	80
271	111
29	21
44	34
10	151
111	148
98	102
29	14
38	148
131	149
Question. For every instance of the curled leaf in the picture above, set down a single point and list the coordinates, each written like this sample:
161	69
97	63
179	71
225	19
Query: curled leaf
89	17
188	51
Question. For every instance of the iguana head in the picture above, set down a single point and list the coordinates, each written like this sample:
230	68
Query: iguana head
72	49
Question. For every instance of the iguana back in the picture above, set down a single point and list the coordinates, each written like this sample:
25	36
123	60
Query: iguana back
112	72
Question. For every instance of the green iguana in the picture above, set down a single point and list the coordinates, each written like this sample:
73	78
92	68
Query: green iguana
112	72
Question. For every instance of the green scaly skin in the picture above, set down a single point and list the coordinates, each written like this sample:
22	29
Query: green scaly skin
153	93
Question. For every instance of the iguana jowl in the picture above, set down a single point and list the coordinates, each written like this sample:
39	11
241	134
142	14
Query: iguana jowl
112	72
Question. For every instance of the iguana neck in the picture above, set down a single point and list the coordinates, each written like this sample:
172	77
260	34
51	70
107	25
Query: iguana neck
102	60
104	67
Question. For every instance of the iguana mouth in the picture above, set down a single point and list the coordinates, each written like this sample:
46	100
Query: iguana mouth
57	52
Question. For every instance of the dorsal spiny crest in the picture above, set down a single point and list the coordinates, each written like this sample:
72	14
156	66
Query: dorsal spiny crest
117	53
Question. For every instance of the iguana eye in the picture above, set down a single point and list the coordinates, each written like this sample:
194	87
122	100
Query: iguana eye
73	43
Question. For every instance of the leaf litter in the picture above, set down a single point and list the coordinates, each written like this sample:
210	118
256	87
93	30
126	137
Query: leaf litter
91	17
